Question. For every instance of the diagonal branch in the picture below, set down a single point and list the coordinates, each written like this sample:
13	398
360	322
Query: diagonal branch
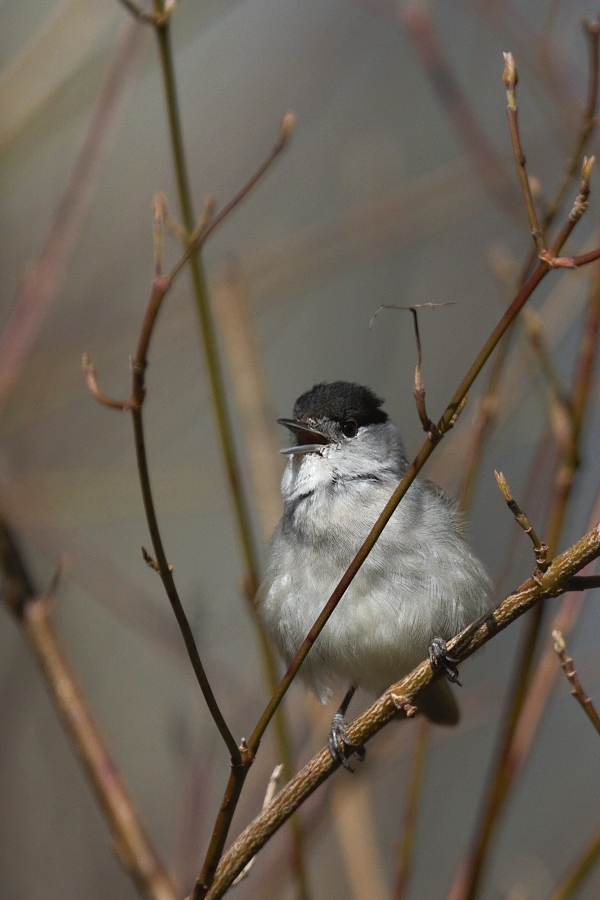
32	611
552	583
446	422
576	688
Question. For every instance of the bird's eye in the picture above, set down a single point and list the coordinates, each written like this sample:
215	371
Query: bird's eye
349	428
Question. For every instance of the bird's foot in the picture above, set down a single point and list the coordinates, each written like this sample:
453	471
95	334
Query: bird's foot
340	747
441	660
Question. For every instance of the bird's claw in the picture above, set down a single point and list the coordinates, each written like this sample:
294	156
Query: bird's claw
340	747
441	660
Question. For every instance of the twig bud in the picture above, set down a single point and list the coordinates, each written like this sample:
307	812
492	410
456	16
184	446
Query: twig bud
287	125
559	641
510	76
586	168
504	488
591	28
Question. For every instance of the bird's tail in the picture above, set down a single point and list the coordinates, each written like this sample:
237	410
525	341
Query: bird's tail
439	704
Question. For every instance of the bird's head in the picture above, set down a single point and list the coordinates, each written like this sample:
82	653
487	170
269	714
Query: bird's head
341	433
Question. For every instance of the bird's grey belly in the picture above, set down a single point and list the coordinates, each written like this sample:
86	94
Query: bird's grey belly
380	629
415	584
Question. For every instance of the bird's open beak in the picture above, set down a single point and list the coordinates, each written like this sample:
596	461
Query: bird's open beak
309	440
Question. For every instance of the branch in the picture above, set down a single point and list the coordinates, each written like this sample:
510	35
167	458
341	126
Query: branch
160	288
488	405
579	870
447	420
203	233
32	612
576	688
240	758
89	371
552	583
587	127
485	160
510	78
409	825
165	571
530	689
419	388
540	550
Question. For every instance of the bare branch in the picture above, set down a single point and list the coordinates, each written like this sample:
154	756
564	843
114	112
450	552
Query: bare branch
419	389
510	78
540	550
409	825
32	611
579	870
576	688
269	794
157	19
551	584
91	380
201	235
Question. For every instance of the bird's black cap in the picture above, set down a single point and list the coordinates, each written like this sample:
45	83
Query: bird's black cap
339	402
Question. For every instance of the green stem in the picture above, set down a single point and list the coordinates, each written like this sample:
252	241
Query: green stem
206	323
579	870
225	430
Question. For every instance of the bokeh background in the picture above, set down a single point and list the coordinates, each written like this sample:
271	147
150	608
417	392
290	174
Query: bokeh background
388	194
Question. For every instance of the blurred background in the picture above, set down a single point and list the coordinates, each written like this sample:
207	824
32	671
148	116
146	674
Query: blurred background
398	187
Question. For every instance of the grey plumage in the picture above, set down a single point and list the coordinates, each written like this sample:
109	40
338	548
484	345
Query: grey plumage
421	579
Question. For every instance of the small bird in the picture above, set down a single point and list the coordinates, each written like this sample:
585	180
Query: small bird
420	585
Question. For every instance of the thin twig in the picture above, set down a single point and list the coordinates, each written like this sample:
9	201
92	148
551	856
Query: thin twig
485	161
409	825
510	78
396	698
91	380
540	550
419	389
269	795
576	689
524	710
201	234
587	127
579	870
166	572
488	404
42	285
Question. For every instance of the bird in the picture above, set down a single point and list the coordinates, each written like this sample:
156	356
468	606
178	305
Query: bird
420	585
